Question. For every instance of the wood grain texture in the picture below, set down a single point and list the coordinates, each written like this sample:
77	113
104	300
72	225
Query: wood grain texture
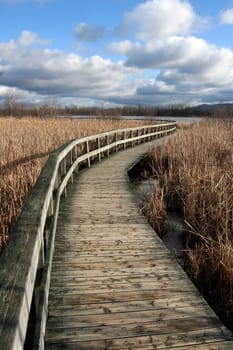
114	285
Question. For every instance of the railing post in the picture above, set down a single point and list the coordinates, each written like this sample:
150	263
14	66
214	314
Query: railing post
69	163
154	131
74	153
48	221
56	182
63	167
87	151
115	139
144	137
74	157
122	146
63	173
98	147
160	129
131	136
124	138
138	140
151	132
107	144
148	134
39	274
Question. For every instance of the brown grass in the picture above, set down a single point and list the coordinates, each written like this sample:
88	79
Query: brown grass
24	148
195	172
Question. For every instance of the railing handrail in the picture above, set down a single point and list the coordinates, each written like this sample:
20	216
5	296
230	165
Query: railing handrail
25	264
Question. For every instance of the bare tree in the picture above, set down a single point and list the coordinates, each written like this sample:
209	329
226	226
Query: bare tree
10	102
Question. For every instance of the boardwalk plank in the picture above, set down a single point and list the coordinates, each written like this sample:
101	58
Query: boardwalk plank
114	285
126	306
209	339
140	328
107	319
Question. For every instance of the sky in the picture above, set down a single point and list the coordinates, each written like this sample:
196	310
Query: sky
116	52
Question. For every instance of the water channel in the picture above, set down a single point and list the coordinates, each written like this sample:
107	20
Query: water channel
173	225
178	119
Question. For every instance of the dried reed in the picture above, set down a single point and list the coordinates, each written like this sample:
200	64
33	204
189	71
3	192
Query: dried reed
195	173
24	147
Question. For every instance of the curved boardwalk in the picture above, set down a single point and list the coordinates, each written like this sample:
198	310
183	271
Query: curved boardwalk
114	285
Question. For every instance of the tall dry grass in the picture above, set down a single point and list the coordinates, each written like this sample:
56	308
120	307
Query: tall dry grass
195	173
24	147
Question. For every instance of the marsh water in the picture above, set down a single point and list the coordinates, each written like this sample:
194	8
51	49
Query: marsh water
173	225
178	119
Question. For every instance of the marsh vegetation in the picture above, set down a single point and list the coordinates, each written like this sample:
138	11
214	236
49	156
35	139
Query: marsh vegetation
24	147
194	172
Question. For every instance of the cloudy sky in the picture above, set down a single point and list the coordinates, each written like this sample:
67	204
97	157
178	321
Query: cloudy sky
105	52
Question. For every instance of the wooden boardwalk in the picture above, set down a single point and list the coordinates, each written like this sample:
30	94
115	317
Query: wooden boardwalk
114	285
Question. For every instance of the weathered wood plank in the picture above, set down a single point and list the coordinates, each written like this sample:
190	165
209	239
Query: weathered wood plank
114	285
95	298
108	319
72	257
125	306
144	286
206	339
158	264
118	280
131	329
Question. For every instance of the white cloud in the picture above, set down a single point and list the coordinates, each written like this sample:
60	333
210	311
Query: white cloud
190	54
123	47
85	32
182	69
226	17
18	46
159	19
3	91
163	29
188	68
53	73
162	62
28	38
191	65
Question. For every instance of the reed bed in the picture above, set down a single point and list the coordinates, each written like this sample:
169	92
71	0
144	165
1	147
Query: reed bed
24	147
195	176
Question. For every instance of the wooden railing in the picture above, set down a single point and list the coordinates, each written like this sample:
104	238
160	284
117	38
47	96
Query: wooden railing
25	265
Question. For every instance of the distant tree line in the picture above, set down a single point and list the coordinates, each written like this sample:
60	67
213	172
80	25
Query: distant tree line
22	110
140	110
11	107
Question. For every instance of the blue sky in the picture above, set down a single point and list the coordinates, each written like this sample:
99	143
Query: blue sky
95	52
